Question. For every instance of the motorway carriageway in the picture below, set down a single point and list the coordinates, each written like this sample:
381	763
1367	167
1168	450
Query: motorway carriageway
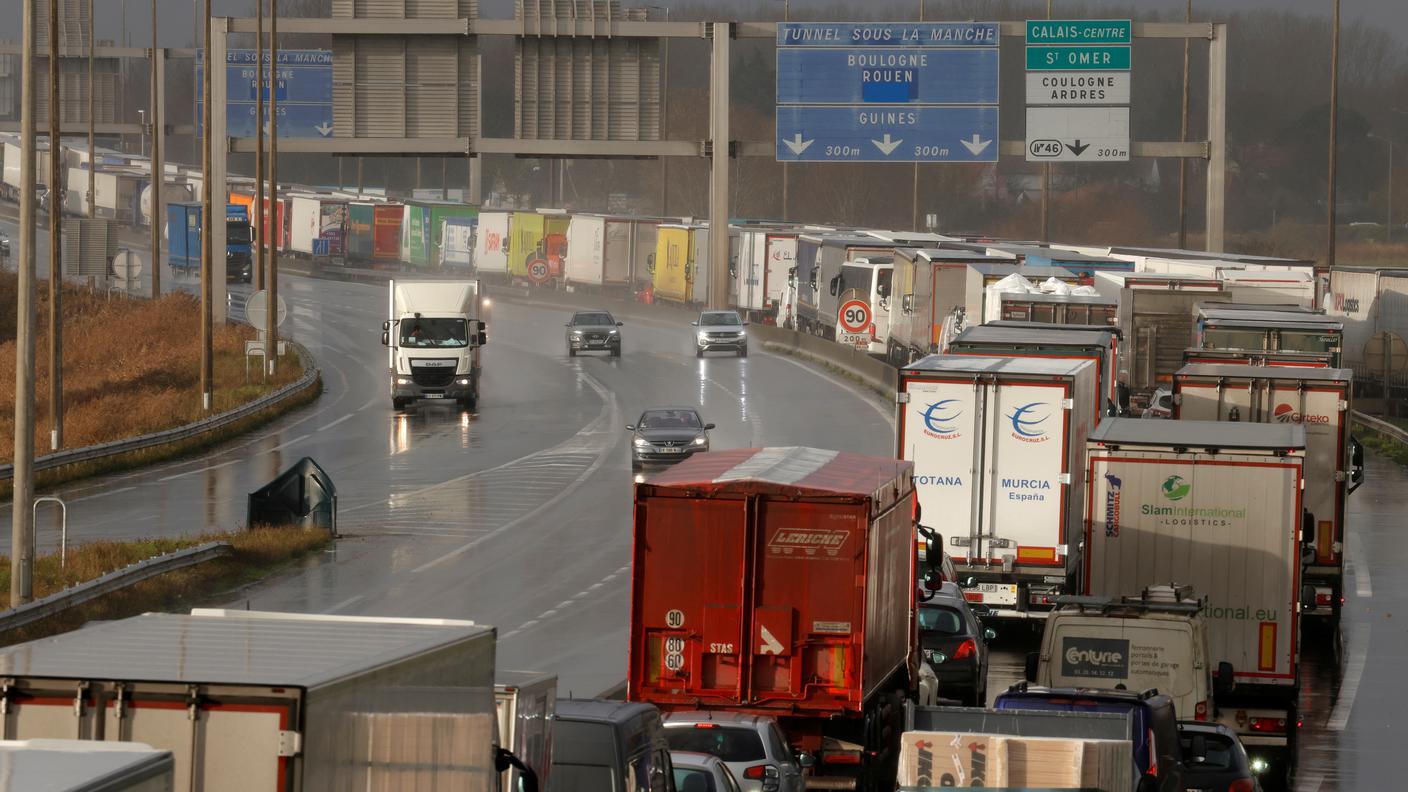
518	515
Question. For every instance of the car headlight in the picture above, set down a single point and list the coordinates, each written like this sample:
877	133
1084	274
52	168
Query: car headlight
641	442
701	440
576	333
703	336
1258	765
402	381
613	331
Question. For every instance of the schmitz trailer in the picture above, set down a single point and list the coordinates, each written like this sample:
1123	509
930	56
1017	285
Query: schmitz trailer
1098	345
781	581
1319	399
1217	506
265	702
997	446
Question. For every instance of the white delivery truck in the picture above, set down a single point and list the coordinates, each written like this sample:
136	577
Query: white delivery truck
490	251
585	263
1216	506
433	333
997	445
251	701
765	257
1319	399
525	702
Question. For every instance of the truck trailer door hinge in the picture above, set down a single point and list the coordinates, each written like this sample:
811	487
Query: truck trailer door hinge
1064	478
901	398
1339	475
1068	404
290	743
1342	405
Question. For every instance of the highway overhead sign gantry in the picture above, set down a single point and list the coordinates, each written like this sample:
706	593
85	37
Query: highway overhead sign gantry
887	92
302	86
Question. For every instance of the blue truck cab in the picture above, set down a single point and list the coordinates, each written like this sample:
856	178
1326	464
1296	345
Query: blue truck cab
183	230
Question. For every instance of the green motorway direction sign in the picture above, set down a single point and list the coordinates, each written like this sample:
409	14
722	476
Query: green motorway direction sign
1079	31
1078	58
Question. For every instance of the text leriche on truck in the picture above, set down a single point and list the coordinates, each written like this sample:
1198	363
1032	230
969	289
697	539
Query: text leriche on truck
780	582
433	334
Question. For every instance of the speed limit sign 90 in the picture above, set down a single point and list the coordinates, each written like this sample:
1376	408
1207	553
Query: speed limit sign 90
855	316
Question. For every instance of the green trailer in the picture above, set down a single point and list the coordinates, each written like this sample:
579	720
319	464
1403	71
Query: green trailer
422	228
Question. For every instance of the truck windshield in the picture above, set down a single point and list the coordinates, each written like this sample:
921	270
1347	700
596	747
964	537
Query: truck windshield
237	232
425	333
1303	341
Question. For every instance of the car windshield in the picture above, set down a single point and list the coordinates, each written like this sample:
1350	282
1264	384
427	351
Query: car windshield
940	621
431	333
729	743
592	319
687	779
669	419
720	318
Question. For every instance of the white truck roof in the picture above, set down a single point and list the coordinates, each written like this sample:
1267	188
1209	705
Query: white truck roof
977	364
1225	435
233	647
82	765
1242	371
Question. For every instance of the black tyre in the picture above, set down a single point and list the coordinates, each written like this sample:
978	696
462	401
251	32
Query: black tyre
743	351
399	404
571	352
616	351
698	352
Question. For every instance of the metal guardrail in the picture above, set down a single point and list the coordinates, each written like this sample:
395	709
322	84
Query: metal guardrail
143	442
112	581
1385	427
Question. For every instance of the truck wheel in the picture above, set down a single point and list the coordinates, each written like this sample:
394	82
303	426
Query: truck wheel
398	404
698	352
469	403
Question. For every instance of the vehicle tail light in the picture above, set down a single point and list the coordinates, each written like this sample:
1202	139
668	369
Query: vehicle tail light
973	596
1268	725
872	332
706	726
1242	785
966	649
1200	712
1324	598
841	757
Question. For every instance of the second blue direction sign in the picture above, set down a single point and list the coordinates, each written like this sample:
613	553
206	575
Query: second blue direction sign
887	134
858	75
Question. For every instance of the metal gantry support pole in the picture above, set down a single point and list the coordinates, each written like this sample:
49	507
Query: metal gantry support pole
92	159
207	205
220	145
260	224
1217	138
1334	141
158	116
718	181
1046	181
1183	138
271	335
56	237
21	516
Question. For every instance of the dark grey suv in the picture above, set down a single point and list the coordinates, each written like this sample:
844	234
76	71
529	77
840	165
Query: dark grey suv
593	330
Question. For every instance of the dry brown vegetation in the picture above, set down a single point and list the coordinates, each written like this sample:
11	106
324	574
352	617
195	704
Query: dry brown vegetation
257	553
130	366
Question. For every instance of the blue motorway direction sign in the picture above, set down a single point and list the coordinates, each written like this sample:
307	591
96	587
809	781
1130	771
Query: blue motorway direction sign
1078	58
887	34
860	75
886	134
302	86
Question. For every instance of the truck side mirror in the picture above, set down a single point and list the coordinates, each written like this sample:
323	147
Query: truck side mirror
385	338
933	549
1225	682
483	337
1307	527
806	761
1356	462
1122	397
989	634
835	283
386	325
907	303
1033	659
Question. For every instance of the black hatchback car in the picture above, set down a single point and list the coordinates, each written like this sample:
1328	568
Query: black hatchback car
665	435
1214	759
955	645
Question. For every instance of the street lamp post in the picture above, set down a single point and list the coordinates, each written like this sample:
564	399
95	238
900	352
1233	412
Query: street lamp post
1388	226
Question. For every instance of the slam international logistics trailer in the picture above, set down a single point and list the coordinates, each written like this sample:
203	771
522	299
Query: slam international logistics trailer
271	701
780	581
1321	401
1217	506
998	447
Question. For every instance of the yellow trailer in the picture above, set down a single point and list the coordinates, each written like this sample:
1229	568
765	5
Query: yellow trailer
674	263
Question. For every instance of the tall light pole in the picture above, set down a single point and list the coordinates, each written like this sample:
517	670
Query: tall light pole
1046	181
786	166
664	114
22	516
56	230
914	199
1388	227
158	169
271	333
92	159
1334	139
207	208
261	225
1183	137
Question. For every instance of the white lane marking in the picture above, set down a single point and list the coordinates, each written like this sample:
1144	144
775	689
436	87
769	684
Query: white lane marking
527	624
547	613
1349	684
328	426
1354	557
369	403
193	472
888	415
1309	782
289	443
563	604
346	603
606	418
100	494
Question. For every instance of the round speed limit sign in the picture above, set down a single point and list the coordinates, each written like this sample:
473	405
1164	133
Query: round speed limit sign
854	316
539	271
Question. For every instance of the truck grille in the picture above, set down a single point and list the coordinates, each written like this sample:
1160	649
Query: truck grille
432	377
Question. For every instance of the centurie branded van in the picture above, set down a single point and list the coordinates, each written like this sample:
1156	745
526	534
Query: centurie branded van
1217	506
997	445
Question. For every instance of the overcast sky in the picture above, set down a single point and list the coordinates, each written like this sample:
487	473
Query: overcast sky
175	16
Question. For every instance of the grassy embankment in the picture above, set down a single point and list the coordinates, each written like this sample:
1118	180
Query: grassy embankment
130	367
257	554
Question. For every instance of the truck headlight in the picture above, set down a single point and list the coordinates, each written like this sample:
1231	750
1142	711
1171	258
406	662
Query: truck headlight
641	442
464	381
402	381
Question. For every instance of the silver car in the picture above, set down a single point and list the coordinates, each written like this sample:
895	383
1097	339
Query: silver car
720	330
697	772
751	745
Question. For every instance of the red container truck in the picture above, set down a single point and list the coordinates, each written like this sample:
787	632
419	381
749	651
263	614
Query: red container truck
781	581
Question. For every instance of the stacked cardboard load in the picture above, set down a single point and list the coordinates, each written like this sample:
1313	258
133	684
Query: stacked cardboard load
934	760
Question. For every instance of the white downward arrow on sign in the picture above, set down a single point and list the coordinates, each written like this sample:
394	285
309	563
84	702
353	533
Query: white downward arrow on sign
771	645
887	146
324	129
797	144
976	145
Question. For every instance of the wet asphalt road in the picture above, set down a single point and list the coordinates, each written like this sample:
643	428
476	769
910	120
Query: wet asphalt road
518	515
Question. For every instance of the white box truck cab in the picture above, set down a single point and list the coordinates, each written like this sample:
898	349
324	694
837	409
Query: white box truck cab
433	333
1318	399
866	279
1216	506
997	446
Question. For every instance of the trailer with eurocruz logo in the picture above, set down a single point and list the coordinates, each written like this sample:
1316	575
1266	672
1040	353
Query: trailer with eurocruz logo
1217	506
997	445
